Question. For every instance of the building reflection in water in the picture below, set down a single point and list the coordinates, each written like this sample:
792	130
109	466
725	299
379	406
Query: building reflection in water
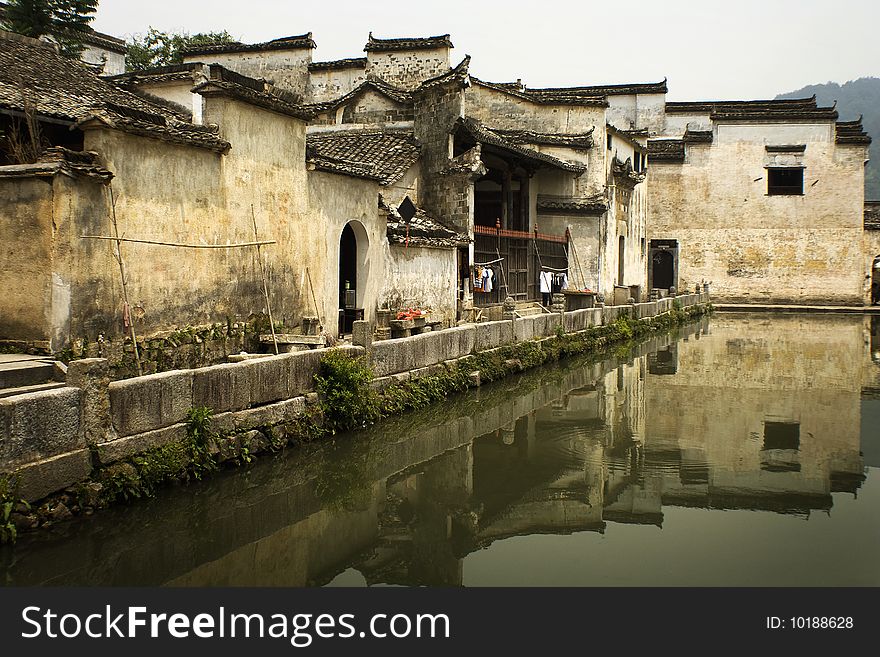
759	413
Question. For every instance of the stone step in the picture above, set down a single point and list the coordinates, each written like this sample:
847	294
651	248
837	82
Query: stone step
528	309
11	392
19	373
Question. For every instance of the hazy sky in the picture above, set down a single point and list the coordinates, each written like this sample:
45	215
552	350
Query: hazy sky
708	49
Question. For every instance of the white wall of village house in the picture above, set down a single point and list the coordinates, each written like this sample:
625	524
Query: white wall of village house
760	248
506	112
330	84
113	62
637	111
408	68
287	69
419	277
179	92
336	201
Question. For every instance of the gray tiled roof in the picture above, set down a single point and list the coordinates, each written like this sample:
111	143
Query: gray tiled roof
549	204
394	93
298	42
665	150
756	110
407	43
33	73
483	135
423	230
224	82
852	132
383	155
872	215
546	96
606	89
338	64
581	140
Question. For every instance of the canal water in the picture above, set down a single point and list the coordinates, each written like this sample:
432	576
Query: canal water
743	450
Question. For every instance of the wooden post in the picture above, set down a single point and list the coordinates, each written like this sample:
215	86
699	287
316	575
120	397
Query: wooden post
263	276
127	307
314	300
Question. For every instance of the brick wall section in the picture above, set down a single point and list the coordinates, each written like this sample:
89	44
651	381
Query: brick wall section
448	196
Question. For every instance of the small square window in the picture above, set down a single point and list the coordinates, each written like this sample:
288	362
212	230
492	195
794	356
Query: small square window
609	141
787	181
782	435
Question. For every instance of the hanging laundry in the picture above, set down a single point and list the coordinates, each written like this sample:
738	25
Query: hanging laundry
488	276
546	285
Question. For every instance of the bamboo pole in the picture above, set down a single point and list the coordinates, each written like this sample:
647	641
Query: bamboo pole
185	246
263	275
314	300
119	240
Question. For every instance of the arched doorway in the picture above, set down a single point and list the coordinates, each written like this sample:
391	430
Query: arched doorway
662	270
353	270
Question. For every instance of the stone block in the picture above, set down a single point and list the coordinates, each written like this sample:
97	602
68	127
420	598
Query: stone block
38	425
262	416
92	376
151	402
270	380
40	478
128	446
224	387
576	320
391	356
489	335
524	328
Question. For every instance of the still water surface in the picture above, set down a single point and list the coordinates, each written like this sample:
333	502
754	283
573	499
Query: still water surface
743	450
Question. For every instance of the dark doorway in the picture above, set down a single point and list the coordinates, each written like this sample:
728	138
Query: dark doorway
621	253
875	282
662	270
347	271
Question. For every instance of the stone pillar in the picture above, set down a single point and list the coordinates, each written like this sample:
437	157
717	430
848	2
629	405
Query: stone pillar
654	295
92	376
310	325
600	300
672	291
508	309
361	335
383	324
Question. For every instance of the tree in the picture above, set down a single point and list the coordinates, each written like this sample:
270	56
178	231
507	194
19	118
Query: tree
157	48
63	20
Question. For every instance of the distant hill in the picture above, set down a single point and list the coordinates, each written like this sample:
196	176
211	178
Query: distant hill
853	98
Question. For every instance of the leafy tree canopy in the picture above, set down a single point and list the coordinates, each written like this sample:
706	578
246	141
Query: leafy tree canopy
64	20
157	48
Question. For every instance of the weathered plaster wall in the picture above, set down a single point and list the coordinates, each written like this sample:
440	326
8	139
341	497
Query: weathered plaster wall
408	69
113	62
372	107
637	111
178	91
449	196
676	124
287	69
328	85
500	110
418	277
760	248
26	258
335	201
714	411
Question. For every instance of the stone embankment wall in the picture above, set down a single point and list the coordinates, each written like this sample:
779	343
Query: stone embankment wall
53	439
